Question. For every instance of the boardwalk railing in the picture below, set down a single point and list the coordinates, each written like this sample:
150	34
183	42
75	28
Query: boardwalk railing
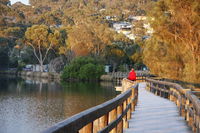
118	76
187	103
112	115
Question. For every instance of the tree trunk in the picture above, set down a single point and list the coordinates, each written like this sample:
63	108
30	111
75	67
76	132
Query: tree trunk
41	66
192	74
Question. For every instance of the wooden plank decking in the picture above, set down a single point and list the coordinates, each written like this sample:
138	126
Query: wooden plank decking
154	114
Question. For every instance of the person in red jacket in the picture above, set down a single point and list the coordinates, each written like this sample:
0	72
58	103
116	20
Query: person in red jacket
132	75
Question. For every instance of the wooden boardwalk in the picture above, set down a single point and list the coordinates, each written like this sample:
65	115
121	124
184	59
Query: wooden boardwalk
154	114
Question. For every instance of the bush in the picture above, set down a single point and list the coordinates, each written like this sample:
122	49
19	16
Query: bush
99	71
68	72
87	72
84	68
122	68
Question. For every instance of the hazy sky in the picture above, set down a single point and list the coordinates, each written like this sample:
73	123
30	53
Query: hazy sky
23	1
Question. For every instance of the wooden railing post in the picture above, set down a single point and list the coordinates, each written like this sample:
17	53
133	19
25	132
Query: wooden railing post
112	116
133	102
189	117
148	86
136	96
129	111
183	106
171	97
187	110
120	125
103	121
96	126
180	104
87	129
176	98
125	122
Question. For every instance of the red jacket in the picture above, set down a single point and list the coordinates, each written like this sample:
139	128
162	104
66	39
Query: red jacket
132	75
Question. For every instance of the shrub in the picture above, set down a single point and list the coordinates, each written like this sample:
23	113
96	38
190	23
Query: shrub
84	68
88	71
122	68
99	71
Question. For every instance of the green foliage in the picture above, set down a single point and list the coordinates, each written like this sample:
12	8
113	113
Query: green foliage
99	70
122	68
4	58
69	72
84	68
20	66
87	71
123	52
80	61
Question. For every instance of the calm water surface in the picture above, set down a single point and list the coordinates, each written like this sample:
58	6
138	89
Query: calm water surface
28	106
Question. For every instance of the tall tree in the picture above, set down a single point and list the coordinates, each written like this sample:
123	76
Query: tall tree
174	49
42	39
89	38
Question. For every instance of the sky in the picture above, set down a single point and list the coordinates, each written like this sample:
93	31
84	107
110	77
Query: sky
23	1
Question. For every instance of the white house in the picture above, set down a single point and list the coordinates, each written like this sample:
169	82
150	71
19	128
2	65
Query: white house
122	25
137	18
131	36
148	28
111	18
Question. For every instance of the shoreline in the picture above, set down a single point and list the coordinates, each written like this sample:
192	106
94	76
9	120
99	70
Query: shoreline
46	75
35	75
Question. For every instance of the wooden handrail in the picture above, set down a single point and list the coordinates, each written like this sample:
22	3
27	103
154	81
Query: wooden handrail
114	114
118	76
117	121
169	84
195	101
187	102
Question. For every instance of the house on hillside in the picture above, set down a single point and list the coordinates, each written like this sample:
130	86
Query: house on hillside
111	18
149	29
137	18
138	28
122	26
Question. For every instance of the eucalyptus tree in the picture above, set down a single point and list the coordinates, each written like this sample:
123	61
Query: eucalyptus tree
42	40
173	51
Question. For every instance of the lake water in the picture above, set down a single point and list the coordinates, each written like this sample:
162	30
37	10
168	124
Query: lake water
28	106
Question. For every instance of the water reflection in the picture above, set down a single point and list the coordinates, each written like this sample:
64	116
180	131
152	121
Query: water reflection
32	106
